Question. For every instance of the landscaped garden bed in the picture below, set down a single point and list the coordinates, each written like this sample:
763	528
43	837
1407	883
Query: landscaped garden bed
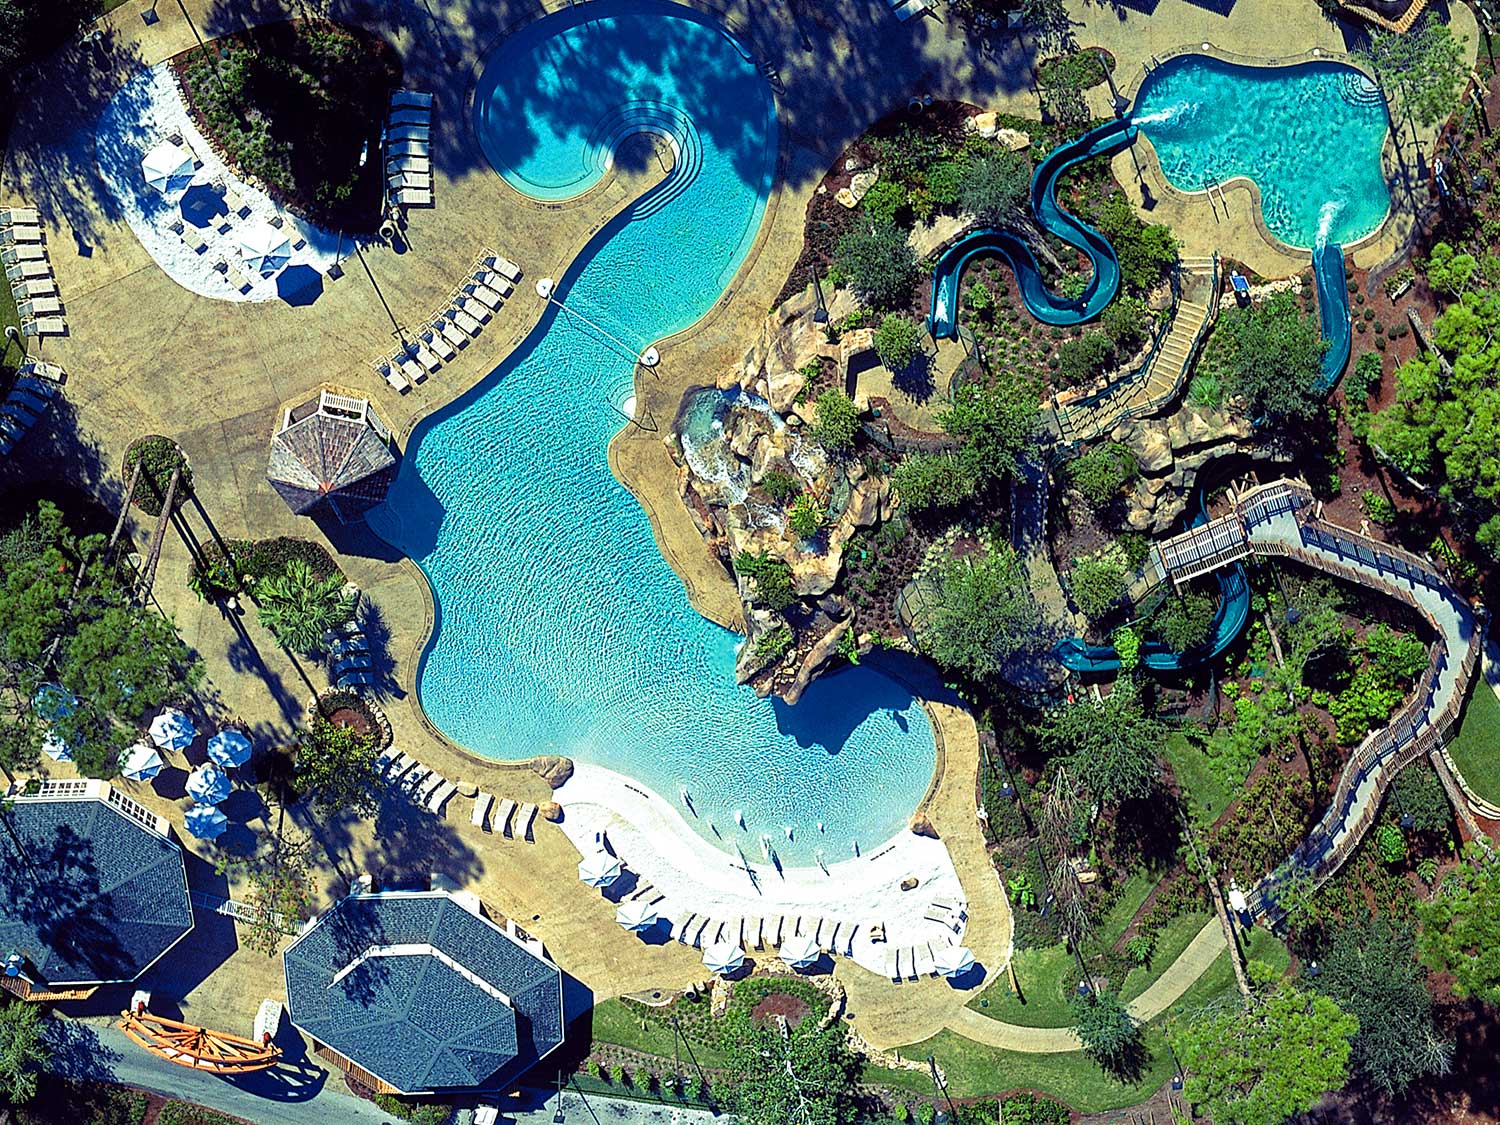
159	458
298	106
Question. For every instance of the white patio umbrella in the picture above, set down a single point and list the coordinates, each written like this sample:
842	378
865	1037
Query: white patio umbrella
636	915
229	748
55	748
206	822
953	960
723	957
53	701
172	730
168	168
265	249
599	870
208	785
800	951
142	763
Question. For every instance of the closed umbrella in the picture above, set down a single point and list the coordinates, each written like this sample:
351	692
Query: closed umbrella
53	701
55	748
265	249
208	785
636	915
206	822
599	870
723	957
799	951
142	763
168	168
172	730
953	960
229	748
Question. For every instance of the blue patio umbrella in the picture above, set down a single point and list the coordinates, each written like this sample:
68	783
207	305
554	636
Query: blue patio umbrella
299	285
53	701
208	785
172	730
206	822
142	763
55	748
229	748
168	168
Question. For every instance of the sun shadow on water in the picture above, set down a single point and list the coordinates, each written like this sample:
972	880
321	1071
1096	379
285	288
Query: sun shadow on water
837	703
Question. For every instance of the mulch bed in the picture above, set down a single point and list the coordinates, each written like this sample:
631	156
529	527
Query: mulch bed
791	1008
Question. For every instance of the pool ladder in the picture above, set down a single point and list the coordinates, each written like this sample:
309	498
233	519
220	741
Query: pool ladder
1211	189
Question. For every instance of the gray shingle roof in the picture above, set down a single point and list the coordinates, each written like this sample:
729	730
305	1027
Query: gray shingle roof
324	460
413	1018
93	896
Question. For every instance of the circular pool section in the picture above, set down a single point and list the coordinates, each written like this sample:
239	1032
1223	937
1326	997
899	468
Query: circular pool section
1310	136
560	629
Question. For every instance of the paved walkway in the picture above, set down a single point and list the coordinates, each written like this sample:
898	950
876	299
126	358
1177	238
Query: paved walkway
1206	947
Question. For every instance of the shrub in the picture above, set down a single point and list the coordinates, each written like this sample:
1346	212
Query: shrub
878	262
883	200
926	481
995	185
925	1113
838	420
944	180
1140	948
617	1074
1079	70
1126	322
901	1113
1082	359
1127	644
780	486
1098	582
806	517
158	458
1379	508
772	578
1145	252
1100	473
897	342
593	1068
298	607
1391	843
1184	622
979	300
1206	390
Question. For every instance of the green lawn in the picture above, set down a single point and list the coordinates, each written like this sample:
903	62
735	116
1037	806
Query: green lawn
1047	979
1117	918
1476	750
1201	789
1170	943
14	353
615	1023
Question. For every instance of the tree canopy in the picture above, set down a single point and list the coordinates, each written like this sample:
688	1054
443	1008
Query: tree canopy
1422	67
1460	928
68	615
798	1076
1110	746
298	606
22	1050
877	262
995	423
996	185
1109	1033
336	769
1370	968
982	614
1263	1061
1272	354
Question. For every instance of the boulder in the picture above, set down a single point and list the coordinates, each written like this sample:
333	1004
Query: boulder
921	826
926	239
816	657
783	388
554	770
910	883
985	124
1013	139
551	811
1152	450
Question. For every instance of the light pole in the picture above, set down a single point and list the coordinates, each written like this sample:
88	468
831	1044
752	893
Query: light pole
398	332
941	1087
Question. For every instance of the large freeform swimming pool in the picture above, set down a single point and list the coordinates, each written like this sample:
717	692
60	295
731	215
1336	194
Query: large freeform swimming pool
560	629
1309	135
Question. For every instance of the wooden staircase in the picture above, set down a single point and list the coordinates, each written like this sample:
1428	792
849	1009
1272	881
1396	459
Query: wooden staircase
1165	373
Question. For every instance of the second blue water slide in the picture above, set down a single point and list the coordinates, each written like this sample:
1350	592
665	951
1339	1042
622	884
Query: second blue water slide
1045	305
1234	610
1333	312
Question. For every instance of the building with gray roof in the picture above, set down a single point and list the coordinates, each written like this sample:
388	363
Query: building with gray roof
332	455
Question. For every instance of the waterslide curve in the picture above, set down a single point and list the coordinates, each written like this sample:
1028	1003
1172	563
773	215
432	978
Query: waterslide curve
1047	306
1333	312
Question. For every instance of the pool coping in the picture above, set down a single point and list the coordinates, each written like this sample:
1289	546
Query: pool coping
1150	164
587	199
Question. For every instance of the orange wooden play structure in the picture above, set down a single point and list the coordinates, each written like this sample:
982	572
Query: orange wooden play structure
218	1052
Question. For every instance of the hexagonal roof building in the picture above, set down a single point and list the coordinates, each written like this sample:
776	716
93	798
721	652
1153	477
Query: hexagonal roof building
414	992
93	890
332	454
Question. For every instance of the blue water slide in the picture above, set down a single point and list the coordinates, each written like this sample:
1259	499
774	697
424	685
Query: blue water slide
1228	620
1333	312
1047	306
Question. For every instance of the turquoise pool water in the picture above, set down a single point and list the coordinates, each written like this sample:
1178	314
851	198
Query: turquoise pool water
560	628
1309	135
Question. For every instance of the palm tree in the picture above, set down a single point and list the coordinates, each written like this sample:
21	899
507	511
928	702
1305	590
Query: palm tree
298	607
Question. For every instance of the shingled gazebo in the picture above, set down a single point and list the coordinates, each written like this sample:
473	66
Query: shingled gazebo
333	455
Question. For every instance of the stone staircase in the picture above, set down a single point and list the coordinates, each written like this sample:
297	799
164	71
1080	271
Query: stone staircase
1165	373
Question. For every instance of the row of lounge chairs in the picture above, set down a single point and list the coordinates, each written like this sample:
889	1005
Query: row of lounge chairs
469	308
29	399
512	820
23	251
909	962
427	788
351	662
770	932
408	160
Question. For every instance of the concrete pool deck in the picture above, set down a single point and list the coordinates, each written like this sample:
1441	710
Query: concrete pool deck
146	356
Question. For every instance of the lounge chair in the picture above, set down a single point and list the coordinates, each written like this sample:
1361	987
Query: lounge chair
450	332
486	1115
34	404
412	98
22	270
45	326
501	824
416	779
193	239
408	133
398	770
13	254
892	969
408	115
357	642
409	367
356	679
525	819
237	278
423	355
20	216
493	280
17	235
43	370
236	204
407	148
397	180
435	340
485	296
503	266
34	287
353	662
465	321
440	797
474	309
410	165
482	803
386	758
414	197
430	785
397	380
680	929
38	306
